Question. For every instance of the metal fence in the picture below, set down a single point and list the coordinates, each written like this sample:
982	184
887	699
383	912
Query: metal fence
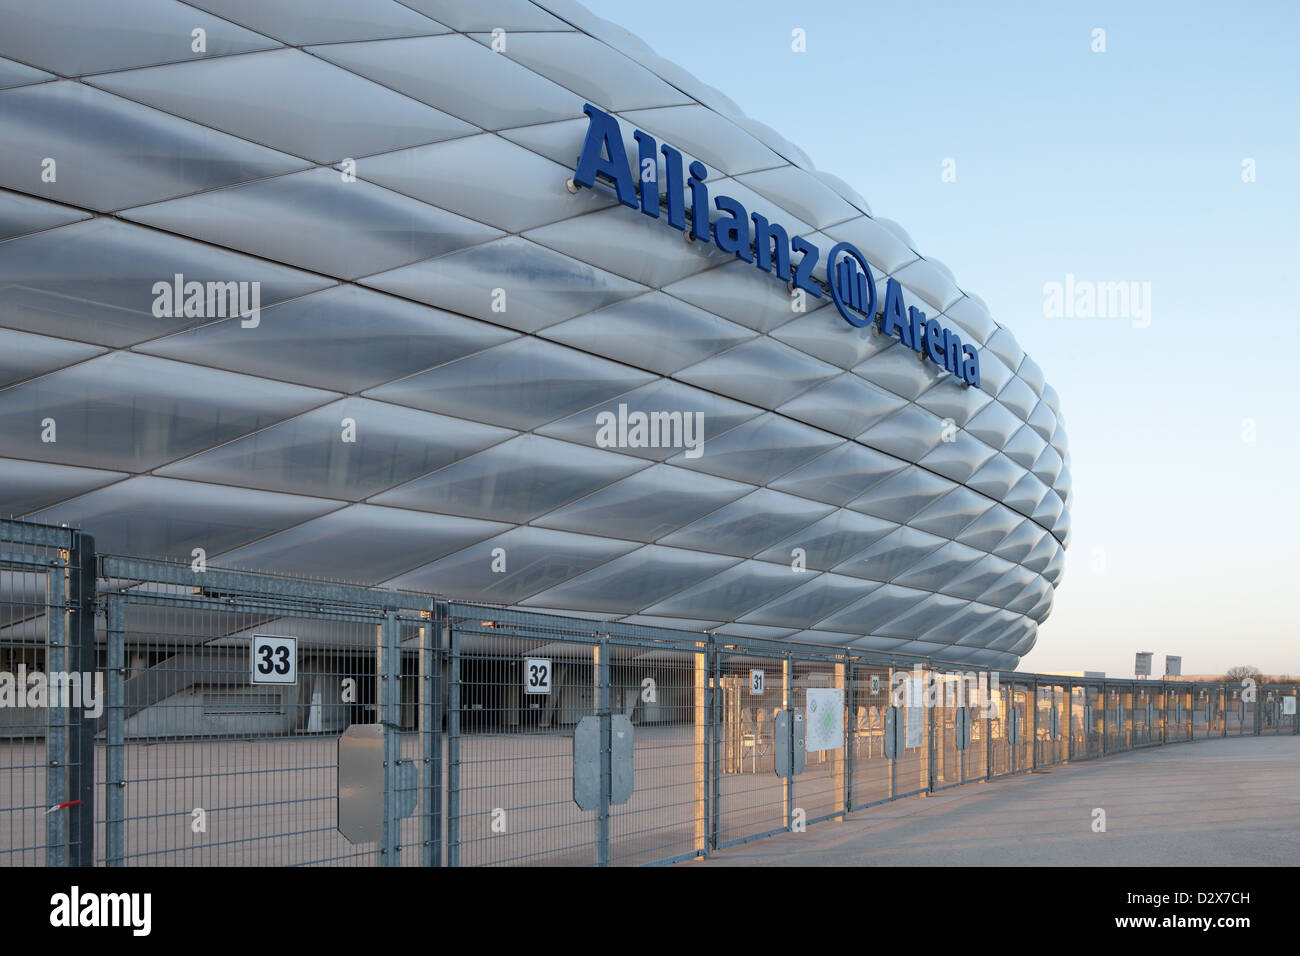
164	713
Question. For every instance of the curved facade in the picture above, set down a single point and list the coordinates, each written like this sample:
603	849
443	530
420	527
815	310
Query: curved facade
311	287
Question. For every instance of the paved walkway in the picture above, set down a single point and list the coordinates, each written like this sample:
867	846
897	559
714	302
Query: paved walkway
1208	803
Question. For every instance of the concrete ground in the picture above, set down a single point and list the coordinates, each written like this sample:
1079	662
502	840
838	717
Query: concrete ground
1233	802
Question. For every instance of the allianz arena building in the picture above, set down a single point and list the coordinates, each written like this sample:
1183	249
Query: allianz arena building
423	295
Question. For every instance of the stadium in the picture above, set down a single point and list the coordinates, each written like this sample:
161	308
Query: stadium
483	374
413	317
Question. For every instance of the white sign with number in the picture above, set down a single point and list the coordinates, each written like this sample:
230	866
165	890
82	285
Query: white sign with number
756	686
1288	706
273	659
537	675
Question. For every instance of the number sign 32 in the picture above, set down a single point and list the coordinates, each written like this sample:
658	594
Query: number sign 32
274	659
537	675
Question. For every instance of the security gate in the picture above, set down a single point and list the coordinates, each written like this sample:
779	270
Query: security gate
1278	710
574	742
909	719
1051	725
47	745
1087	714
750	799
227	693
870	769
517	689
191	715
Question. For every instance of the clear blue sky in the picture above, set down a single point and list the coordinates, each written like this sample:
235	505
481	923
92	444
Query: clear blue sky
1116	166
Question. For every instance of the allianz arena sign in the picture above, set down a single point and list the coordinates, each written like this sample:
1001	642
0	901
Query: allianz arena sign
768	245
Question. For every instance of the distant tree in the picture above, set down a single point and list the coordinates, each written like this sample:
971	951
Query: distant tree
1245	670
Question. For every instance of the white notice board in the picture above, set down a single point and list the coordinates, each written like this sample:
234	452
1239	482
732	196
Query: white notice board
824	728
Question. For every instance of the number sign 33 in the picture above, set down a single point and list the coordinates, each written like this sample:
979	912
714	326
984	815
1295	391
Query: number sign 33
274	659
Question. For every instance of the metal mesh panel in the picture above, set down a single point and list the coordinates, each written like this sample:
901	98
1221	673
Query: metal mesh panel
1141	734
1274	718
42	753
1023	702
1001	757
663	691
510	774
1235	711
1051	736
179	754
751	799
819	790
975	762
217	770
912	763
870	775
1173	712
1207	711
948	758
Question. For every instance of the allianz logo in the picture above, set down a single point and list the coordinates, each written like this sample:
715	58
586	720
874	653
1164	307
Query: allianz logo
651	430
208	300
767	245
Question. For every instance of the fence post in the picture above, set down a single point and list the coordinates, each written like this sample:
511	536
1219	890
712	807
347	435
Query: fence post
1033	727
81	730
601	651
431	736
453	745
931	754
715	742
851	715
389	717
115	749
700	776
787	703
57	718
988	723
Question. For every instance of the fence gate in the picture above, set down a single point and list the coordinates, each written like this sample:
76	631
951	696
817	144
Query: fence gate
518	686
1002	730
1277	709
1207	711
659	682
951	730
227	695
1142	717
1052	725
817	690
869	767
754	720
47	746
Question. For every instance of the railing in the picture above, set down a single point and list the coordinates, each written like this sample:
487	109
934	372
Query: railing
194	716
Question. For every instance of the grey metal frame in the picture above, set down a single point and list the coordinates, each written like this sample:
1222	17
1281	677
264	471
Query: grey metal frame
680	801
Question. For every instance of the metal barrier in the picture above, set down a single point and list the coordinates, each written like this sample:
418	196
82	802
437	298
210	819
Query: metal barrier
195	716
227	695
49	665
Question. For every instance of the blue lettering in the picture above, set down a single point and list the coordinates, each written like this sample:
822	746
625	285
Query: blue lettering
604	139
894	317
731	233
803	271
